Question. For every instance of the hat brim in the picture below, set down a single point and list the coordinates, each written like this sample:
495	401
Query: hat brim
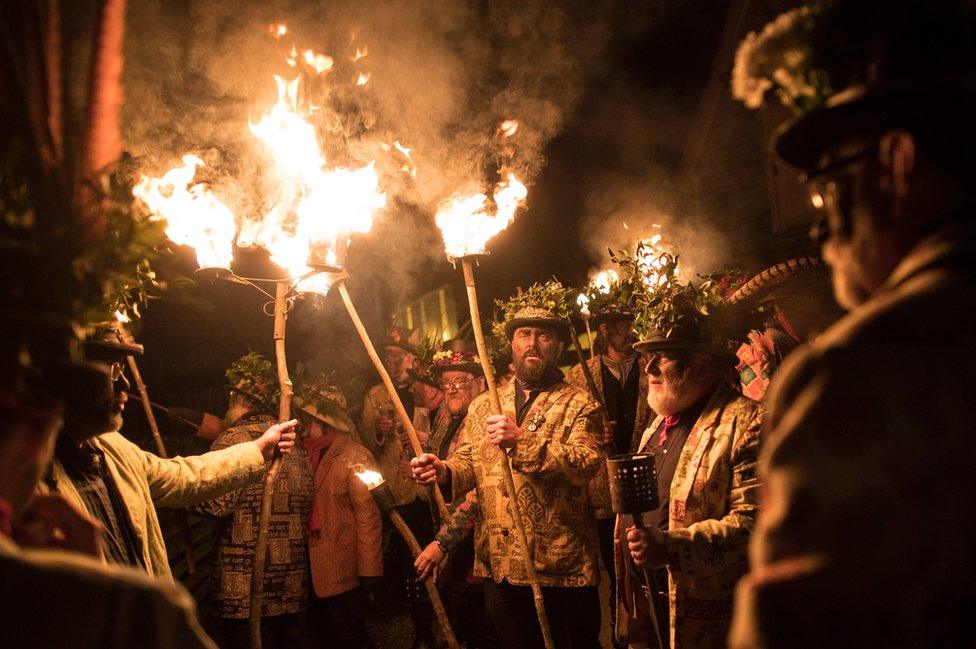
868	113
672	344
341	424
111	351
471	368
608	317
407	347
558	326
259	403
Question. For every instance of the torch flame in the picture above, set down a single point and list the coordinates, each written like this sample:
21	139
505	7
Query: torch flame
193	215
318	62
319	207
120	316
361	52
508	127
466	224
584	304
370	478
362	79
277	30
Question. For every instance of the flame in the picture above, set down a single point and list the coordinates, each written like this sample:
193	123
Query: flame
508	127
317	61
193	215
361	52
319	207
277	30
362	79
120	316
605	279
466	224
584	304
370	478
653	261
409	168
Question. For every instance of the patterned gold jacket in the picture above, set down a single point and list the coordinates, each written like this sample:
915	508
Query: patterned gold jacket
391	457
713	502
286	567
552	465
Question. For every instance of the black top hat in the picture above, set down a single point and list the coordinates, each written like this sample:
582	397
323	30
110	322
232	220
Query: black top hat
691	339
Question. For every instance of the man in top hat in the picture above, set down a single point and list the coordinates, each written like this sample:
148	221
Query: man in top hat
865	536
345	539
550	431
59	597
120	485
704	440
285	587
622	388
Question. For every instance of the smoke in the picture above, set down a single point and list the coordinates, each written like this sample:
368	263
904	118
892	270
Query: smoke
643	194
443	74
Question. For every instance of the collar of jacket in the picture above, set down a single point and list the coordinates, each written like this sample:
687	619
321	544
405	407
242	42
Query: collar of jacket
952	244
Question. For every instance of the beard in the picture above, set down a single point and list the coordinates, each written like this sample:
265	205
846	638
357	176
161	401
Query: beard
533	372
848	281
671	396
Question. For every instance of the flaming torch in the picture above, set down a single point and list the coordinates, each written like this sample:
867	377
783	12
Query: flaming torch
467	225
387	504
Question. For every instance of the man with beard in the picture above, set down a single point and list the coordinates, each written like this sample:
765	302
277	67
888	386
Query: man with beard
704	441
865	536
622	387
550	431
120	485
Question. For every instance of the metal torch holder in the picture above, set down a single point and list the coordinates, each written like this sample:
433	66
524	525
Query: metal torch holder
633	490
383	496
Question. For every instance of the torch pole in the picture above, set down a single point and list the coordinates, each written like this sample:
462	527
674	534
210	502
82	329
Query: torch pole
652	612
590	381
496	406
435	596
401	412
186	542
589	334
284	414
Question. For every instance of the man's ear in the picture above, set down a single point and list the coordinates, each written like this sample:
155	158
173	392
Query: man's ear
562	346
897	154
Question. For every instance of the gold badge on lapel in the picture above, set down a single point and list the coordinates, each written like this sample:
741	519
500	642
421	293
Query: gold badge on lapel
536	419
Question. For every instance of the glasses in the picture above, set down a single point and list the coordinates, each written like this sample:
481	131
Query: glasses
116	371
447	386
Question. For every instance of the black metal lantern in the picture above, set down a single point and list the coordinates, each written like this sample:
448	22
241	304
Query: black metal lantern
633	487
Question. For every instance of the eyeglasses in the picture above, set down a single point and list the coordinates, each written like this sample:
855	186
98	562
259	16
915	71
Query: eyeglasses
116	371
447	386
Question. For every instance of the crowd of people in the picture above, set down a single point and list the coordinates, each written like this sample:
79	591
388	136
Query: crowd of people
832	513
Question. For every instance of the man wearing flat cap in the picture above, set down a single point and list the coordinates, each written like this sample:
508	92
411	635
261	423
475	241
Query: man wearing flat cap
550	431
865	536
120	485
704	440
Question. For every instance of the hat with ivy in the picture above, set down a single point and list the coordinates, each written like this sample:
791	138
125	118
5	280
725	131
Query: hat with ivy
253	376
546	306
323	401
456	355
851	70
106	344
676	316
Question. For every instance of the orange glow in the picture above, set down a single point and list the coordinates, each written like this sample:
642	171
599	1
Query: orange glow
361	52
193	215
370	478
466	224
318	62
362	79
508	127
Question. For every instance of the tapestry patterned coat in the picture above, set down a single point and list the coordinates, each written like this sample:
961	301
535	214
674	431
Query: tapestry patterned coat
349	544
438	437
599	487
286	565
713	504
552	466
146	481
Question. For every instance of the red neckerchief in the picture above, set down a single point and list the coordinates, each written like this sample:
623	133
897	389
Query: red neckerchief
669	423
315	448
6	517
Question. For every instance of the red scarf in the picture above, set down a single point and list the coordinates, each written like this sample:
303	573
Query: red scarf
669	423
315	448
6	518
